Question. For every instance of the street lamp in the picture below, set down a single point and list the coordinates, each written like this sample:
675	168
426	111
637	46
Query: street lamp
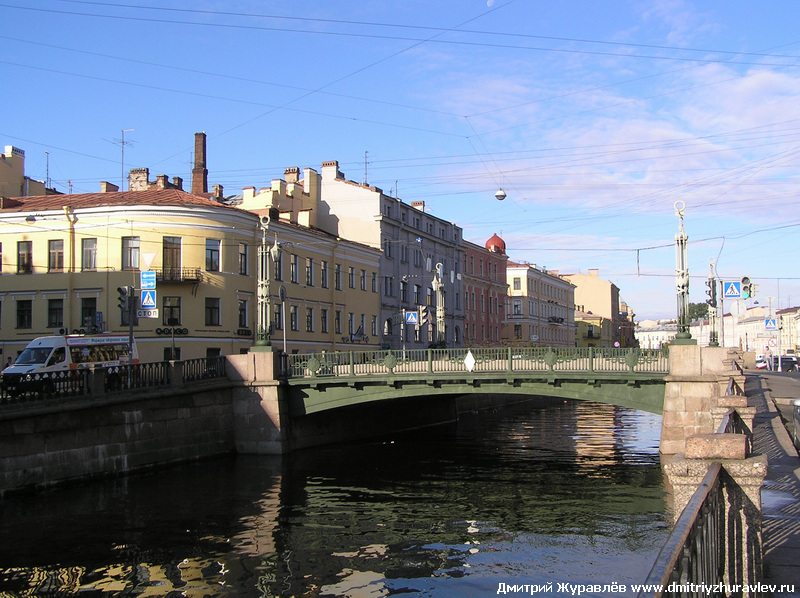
265	255
438	288
684	337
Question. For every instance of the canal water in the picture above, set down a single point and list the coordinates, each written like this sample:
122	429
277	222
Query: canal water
545	492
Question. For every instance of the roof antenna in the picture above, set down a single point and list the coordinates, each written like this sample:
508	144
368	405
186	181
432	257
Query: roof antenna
365	168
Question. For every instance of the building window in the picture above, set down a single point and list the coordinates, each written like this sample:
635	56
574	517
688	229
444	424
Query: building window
244	253
416	294
351	322
277	324
387	249
293	265
363	280
309	272
24	259
172	354
337	322
323	320
242	313
171	308
55	255
388	286
212	255
171	258
403	291
24	313
517	283
374	325
374	282
55	313
213	311
404	253
88	312
278	273
337	277
351	277
89	254
130	253
517	306
309	319
517	331
293	318
323	273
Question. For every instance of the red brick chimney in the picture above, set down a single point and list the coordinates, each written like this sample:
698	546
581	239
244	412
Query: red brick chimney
199	172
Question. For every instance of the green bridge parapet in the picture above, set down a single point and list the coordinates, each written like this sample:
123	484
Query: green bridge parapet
616	362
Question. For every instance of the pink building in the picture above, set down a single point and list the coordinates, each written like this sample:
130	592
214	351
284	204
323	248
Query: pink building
485	290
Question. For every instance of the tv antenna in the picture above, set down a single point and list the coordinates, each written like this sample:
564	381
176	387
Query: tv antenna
122	143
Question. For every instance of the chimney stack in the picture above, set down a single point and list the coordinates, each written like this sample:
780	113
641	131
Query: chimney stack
199	172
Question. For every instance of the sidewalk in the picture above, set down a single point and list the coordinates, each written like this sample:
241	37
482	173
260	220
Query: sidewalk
773	394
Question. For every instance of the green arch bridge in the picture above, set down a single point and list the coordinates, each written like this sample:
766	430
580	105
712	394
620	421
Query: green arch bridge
633	378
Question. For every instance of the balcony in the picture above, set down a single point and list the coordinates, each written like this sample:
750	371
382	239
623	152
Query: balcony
190	275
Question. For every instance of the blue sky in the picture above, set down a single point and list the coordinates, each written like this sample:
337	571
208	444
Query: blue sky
594	117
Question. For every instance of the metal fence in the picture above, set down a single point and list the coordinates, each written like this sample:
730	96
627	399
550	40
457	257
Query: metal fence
694	553
86	382
507	359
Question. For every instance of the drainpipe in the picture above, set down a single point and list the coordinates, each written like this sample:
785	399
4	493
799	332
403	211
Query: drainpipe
69	214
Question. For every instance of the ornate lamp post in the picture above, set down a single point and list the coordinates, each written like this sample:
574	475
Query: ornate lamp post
264	297
438	288
684	337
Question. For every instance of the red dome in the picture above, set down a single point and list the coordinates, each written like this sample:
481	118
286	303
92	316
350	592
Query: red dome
496	244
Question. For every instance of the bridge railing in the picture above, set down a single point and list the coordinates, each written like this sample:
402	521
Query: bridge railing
462	360
91	382
695	550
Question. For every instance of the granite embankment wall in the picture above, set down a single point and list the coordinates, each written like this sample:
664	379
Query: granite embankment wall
58	441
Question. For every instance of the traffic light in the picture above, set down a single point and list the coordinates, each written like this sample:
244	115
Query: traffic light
711	291
124	297
746	290
423	315
753	290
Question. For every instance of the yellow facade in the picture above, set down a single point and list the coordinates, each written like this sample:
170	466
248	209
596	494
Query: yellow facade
13	181
592	330
64	258
330	290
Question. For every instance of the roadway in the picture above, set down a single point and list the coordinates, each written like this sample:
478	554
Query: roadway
773	394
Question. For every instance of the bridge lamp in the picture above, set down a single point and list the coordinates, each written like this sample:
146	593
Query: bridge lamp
266	255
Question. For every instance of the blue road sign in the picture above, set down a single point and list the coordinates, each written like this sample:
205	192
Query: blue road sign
148	299
412	318
770	324
732	289
147	279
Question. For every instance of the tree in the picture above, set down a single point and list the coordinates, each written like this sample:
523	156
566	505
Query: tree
697	311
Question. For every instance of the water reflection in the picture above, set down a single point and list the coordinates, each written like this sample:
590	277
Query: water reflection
542	492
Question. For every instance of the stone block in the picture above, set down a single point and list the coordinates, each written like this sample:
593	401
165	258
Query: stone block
716	446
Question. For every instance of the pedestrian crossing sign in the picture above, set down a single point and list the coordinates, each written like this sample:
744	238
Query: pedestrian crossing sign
771	324
148	299
732	289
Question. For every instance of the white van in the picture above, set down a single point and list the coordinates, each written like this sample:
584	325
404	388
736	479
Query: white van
59	353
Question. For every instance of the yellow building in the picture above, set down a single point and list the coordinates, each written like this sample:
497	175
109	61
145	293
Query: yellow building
601	297
13	181
64	257
592	330
412	247
331	286
541	310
